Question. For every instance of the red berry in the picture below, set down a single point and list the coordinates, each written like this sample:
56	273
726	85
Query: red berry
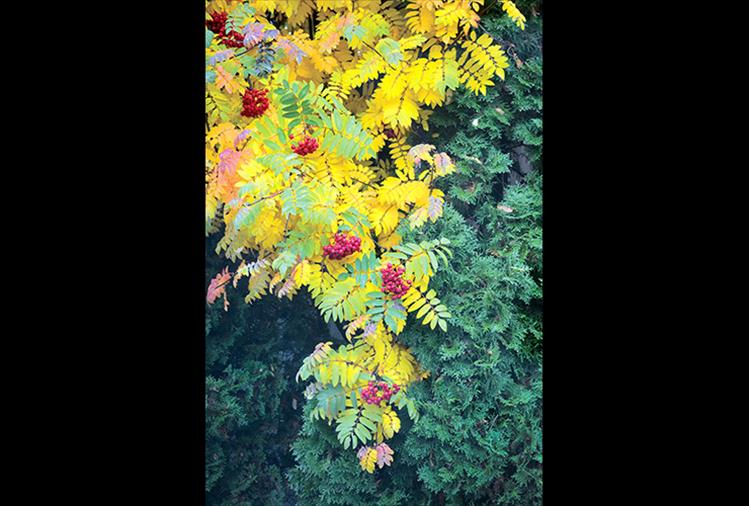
392	283
342	246
254	103
306	146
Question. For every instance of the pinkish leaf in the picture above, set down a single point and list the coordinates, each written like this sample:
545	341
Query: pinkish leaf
442	162
435	207
292	50
253	34
384	455
362	452
217	288
242	136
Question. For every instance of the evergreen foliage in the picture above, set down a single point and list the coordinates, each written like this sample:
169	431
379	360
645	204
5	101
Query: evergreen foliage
326	474
478	440
252	353
495	138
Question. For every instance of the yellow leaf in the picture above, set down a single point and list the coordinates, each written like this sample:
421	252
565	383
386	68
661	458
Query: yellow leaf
423	310
324	374
351	375
302	273
389	241
248	170
381	348
368	460
428	318
400	112
419	303
390	422
511	9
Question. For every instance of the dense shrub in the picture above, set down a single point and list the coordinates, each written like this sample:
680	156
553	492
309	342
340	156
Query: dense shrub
327	474
252	353
479	437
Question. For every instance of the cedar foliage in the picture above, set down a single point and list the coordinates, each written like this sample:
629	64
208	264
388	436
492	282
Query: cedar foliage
252	354
478	440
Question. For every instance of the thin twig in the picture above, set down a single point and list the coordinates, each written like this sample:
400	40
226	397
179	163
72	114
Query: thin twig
379	54
362	182
264	198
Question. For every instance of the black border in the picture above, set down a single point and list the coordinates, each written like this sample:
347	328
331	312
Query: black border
139	123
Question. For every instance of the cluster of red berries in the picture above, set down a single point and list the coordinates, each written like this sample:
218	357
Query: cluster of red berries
306	146
392	282
254	103
342	246
375	393
217	24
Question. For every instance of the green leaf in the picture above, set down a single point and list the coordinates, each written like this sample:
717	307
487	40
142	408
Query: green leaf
282	135
329	400
390	50
395	254
337	121
413	414
362	433
288	99
335	374
354	32
444	258
433	259
408	248
367	423
392	324
423	311
373	411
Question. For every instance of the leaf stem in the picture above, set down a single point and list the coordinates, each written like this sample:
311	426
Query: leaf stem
379	54
274	194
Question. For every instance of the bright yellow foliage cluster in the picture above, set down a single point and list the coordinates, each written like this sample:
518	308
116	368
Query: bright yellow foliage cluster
357	76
